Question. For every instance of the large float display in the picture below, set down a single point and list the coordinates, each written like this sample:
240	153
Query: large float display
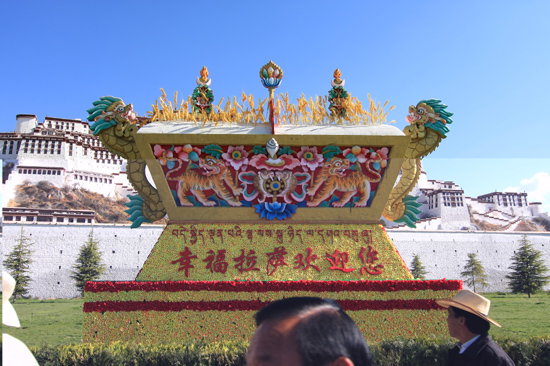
267	203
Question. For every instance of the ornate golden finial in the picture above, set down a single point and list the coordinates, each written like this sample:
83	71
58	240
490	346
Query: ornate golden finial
337	75
204	80
204	74
337	81
271	75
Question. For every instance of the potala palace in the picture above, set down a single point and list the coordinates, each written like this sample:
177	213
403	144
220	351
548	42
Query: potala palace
65	153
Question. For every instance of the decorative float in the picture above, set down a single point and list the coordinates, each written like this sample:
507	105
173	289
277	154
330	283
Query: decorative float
267	200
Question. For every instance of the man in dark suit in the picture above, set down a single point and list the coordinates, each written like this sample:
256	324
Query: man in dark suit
468	321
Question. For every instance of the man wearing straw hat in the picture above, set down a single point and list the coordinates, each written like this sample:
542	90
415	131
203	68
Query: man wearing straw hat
468	322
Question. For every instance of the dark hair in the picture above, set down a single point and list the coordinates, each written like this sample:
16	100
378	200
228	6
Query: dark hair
324	333
474	323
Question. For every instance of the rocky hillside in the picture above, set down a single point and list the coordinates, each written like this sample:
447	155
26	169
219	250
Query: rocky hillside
46	195
526	224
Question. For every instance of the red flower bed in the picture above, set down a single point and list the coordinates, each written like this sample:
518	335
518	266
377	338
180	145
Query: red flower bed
240	305
268	286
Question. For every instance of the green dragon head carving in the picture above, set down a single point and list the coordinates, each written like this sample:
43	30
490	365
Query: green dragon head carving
428	126
116	124
430	113
108	111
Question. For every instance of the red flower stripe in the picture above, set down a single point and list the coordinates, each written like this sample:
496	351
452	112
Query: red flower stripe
355	305
241	305
267	286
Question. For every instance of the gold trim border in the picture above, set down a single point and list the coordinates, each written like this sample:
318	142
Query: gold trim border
398	146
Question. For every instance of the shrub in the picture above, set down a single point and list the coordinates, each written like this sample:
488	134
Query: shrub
528	270
88	266
402	352
474	272
417	268
18	262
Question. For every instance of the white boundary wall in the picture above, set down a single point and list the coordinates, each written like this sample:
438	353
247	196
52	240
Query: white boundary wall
56	248
443	253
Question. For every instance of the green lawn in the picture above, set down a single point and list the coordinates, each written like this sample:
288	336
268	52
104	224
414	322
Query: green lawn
520	315
51	322
56	322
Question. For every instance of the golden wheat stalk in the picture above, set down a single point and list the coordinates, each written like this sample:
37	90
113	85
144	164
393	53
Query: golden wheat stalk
312	111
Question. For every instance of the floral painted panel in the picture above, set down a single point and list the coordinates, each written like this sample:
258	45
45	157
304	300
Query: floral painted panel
274	180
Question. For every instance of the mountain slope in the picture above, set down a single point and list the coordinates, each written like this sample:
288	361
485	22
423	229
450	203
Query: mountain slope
48	196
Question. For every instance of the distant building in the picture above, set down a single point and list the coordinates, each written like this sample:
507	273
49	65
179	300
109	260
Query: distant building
444	207
63	152
39	215
510	202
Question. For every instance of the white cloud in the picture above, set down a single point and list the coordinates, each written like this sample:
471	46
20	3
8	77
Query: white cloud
537	188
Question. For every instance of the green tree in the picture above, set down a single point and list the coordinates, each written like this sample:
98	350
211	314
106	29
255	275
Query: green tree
474	272
528	270
18	263
417	268
88	266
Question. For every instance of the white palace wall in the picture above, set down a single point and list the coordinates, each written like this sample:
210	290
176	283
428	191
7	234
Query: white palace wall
56	248
443	253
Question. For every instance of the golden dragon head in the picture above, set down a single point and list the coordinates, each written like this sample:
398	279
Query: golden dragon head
121	112
109	111
430	113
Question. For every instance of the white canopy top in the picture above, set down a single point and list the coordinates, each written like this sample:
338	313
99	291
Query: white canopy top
265	129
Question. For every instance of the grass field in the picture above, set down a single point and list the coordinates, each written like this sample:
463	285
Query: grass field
51	322
57	322
519	315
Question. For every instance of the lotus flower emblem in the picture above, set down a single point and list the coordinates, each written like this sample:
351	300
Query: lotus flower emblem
271	75
275	210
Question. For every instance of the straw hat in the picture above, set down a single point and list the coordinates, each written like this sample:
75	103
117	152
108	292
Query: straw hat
471	302
9	316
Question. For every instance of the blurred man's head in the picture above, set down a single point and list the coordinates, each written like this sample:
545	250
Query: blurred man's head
306	331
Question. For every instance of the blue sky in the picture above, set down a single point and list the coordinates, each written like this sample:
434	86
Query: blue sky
489	61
